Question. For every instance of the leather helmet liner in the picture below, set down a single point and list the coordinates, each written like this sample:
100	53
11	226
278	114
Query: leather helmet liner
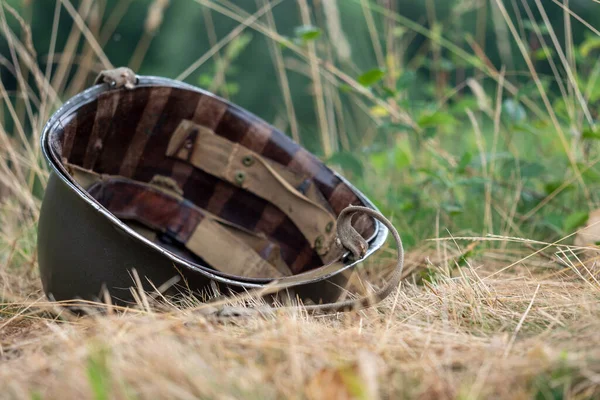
170	180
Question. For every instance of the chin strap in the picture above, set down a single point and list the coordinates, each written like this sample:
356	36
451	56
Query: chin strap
350	239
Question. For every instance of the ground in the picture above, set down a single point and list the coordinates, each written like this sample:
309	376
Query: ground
530	331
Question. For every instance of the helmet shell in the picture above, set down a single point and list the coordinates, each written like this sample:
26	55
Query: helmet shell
83	248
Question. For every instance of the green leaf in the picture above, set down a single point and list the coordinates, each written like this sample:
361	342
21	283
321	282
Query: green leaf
588	45
379	111
574	221
543	53
205	80
371	77
307	33
551	186
347	161
590	133
398	31
239	44
436	119
232	88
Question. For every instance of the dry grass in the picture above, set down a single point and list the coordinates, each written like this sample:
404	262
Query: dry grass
514	319
532	331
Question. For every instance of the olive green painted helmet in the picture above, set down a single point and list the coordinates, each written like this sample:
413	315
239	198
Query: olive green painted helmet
190	191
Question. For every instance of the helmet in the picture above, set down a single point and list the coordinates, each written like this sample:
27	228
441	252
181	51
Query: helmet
190	191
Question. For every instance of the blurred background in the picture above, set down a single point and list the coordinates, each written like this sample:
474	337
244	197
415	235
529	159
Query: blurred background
462	116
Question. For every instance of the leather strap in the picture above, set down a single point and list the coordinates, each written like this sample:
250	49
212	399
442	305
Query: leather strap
223	245
351	240
267	179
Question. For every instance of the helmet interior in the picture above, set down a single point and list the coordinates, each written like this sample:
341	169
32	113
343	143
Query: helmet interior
164	159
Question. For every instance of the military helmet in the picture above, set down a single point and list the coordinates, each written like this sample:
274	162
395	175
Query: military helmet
191	192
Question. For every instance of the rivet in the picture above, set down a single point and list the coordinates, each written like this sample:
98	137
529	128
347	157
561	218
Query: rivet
329	227
319	242
239	177
188	144
248	160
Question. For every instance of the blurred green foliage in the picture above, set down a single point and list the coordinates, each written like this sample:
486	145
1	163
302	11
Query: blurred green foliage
182	38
